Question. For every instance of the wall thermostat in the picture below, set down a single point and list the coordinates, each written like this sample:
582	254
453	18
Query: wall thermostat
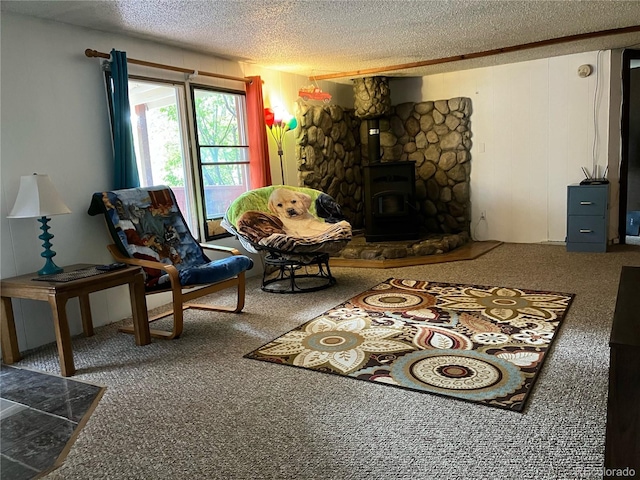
585	70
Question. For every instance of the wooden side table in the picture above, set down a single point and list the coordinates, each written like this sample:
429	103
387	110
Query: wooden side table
57	294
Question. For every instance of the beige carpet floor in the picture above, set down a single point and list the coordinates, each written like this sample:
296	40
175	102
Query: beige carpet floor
193	408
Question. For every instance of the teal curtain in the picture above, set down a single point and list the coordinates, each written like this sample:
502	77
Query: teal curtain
124	155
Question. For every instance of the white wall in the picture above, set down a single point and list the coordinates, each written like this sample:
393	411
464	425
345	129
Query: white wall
533	128
54	120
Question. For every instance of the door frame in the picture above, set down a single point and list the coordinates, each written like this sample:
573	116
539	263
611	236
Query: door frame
627	56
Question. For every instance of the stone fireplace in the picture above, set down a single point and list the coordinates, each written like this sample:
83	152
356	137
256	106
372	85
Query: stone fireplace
333	155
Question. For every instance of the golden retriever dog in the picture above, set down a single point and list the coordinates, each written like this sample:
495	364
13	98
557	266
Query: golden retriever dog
292	208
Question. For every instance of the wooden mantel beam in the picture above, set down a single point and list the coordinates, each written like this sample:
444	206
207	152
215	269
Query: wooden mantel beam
486	53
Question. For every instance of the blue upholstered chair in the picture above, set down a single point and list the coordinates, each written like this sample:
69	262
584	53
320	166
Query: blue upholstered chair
149	231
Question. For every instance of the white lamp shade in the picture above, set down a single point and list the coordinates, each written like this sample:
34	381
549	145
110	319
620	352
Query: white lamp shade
37	197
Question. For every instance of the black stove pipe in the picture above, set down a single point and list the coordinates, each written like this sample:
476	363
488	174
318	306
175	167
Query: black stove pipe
373	140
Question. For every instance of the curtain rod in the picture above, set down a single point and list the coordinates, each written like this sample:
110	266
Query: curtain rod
486	53
94	53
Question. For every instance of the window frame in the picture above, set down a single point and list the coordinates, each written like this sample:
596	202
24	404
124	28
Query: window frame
197	158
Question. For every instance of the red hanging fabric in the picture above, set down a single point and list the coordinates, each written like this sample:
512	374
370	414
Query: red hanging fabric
259	166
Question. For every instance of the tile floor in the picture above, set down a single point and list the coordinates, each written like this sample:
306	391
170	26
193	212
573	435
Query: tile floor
39	414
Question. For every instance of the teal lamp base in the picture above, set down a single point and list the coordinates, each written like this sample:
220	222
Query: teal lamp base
49	266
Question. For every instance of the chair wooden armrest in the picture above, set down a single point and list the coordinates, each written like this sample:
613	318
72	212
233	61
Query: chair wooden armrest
180	298
221	248
170	269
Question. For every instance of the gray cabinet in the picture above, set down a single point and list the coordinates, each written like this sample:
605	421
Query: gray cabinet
587	218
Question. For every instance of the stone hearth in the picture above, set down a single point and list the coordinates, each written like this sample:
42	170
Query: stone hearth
433	244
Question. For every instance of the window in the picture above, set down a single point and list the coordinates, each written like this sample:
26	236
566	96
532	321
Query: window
222	151
157	122
208	178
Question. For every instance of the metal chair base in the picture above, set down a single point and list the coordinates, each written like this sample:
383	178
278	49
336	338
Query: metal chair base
295	275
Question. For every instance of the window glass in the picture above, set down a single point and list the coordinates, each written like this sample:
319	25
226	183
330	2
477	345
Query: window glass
223	153
157	121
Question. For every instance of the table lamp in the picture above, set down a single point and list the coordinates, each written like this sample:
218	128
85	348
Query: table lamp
38	198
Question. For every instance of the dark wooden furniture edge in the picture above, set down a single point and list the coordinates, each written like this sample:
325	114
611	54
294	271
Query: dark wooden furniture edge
622	442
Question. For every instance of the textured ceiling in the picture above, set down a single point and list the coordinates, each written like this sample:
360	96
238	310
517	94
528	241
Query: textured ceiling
320	37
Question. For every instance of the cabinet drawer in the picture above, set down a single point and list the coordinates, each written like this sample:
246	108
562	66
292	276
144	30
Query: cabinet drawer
586	229
587	200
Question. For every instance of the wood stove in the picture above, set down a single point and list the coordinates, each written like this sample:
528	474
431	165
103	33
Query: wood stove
390	211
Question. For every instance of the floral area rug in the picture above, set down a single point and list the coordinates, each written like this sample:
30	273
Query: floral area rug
476	343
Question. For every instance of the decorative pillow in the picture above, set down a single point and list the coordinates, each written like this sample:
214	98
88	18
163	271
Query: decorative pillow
258	199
